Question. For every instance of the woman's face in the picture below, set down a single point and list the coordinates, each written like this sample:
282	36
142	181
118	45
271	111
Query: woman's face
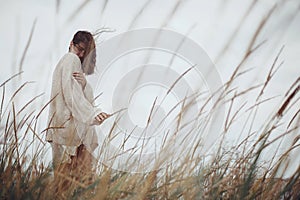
78	49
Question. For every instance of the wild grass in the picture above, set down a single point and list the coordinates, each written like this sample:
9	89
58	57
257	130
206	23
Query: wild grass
235	172
231	173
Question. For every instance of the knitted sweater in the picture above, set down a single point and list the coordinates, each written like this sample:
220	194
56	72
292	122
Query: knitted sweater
71	111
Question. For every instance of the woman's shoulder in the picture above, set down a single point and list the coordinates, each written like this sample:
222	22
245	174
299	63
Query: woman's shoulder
71	57
69	61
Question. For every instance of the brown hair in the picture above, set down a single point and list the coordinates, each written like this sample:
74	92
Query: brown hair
89	59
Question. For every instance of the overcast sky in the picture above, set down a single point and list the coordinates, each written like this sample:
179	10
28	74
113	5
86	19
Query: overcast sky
210	24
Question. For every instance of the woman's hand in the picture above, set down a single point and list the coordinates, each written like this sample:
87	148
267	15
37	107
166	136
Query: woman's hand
101	117
80	78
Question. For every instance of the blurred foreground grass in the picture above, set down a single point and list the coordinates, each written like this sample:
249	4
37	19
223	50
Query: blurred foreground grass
230	174
237	173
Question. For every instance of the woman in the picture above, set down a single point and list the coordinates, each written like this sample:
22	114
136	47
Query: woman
72	115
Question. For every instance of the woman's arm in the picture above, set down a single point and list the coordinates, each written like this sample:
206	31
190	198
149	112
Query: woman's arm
80	107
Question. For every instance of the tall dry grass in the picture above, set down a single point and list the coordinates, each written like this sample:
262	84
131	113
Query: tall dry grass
232	173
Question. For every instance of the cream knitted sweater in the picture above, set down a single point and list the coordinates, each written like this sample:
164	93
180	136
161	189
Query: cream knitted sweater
71	111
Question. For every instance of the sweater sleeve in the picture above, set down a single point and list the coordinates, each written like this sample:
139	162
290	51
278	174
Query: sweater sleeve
88	92
81	109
